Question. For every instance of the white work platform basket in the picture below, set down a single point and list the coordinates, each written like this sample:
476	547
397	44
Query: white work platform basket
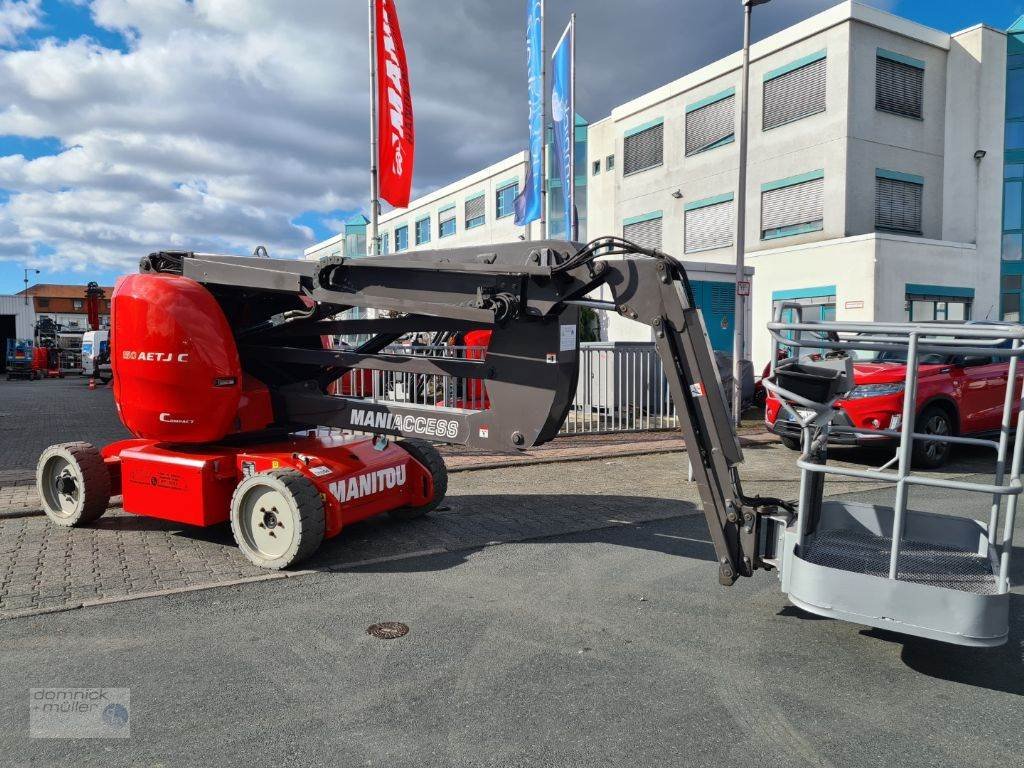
939	576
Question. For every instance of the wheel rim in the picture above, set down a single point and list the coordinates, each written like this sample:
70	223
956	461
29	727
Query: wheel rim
266	522
936	425
62	486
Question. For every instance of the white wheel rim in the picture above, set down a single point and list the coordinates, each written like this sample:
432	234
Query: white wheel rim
267	522
62	486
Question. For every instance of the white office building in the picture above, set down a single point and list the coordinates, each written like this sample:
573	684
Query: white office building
874	186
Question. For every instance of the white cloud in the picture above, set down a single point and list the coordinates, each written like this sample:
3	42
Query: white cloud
224	119
17	17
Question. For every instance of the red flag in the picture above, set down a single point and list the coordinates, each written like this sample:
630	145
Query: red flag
394	109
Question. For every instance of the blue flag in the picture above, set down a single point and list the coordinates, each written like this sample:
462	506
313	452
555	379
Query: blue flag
528	202
563	111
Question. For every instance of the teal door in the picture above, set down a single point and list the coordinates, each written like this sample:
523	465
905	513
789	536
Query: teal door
717	302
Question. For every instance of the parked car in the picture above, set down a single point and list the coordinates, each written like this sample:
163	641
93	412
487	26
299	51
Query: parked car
956	395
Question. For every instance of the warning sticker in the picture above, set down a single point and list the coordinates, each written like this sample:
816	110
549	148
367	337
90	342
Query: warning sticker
567	340
484	432
697	390
320	471
552	357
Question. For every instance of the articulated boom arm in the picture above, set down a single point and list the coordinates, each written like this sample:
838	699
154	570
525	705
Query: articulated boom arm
528	295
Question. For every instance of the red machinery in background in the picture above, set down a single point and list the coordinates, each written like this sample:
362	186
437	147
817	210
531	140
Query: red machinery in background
93	295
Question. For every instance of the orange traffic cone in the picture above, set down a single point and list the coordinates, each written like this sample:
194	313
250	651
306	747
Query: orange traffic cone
92	383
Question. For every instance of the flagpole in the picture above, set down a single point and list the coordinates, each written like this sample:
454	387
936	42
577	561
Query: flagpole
573	228
374	243
544	129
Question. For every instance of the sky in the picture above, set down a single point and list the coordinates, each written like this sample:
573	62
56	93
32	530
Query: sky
128	126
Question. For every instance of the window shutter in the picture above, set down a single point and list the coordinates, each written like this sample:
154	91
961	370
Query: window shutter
644	233
474	208
708	227
644	149
445	216
710	124
795	95
796	204
898	205
899	87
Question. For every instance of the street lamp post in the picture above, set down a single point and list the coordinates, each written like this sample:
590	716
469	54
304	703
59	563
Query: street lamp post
27	270
740	317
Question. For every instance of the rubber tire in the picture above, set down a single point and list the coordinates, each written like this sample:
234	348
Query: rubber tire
92	474
427	455
307	508
920	457
793	443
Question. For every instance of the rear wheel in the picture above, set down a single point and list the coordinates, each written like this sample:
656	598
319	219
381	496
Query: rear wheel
427	455
73	484
277	518
931	454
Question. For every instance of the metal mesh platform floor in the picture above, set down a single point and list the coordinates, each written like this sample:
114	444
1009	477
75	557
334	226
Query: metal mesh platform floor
919	562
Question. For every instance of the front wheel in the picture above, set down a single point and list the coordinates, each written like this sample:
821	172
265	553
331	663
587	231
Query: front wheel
277	518
932	454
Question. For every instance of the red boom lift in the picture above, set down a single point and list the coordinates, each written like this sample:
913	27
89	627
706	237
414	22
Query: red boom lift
220	372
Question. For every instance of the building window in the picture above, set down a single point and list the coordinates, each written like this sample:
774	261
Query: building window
1009	298
708	224
595	168
644	230
476	216
794	91
816	304
401	238
505	200
643	148
423	231
899	84
78	303
384	243
792	206
927	303
43	303
609	163
898	201
711	122
446	222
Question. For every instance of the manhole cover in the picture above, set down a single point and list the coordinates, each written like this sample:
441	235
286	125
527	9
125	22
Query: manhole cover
387	630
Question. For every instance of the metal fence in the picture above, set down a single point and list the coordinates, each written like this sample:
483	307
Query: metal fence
621	388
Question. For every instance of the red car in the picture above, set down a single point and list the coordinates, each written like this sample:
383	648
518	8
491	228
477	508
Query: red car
958	395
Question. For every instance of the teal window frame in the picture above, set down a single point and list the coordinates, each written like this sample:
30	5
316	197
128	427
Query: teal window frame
442	230
476	221
383	243
940	296
402	238
636	129
503	198
728	93
422	230
792	230
909	61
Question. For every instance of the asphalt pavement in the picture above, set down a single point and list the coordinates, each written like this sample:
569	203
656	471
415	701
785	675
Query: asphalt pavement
614	646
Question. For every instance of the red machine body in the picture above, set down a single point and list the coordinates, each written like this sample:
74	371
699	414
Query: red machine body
193	484
180	389
177	376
